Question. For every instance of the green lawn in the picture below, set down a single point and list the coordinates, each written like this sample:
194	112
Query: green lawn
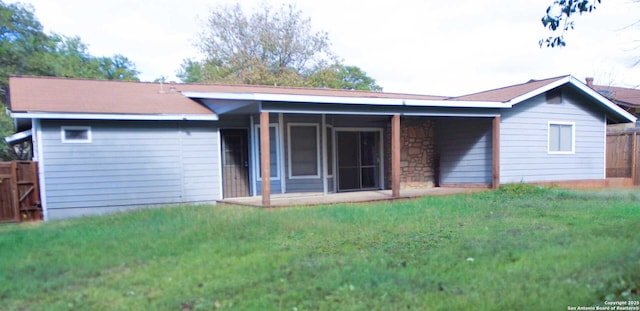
521	248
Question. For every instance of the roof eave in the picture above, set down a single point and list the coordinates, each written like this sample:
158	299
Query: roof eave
621	113
319	99
538	91
624	115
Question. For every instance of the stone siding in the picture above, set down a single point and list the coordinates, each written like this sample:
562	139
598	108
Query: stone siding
417	154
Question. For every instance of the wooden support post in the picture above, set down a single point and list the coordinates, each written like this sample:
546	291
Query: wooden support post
634	159
395	156
265	164
495	153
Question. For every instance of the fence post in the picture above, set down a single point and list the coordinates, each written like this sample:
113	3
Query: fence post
14	191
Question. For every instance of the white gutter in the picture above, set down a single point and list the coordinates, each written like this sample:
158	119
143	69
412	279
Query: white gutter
113	116
318	99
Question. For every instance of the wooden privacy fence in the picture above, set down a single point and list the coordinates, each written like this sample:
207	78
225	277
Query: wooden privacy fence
622	156
19	192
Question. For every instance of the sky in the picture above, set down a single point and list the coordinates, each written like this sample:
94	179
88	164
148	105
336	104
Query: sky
432	47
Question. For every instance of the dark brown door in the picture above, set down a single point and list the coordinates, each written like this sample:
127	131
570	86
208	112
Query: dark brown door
235	163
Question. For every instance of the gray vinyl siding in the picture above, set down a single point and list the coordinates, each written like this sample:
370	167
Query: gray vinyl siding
129	164
464	148
524	141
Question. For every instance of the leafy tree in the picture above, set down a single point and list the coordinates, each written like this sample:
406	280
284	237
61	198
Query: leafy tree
343	77
26	50
269	47
559	18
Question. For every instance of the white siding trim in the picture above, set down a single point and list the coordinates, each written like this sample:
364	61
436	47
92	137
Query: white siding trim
335	160
39	157
220	174
325	186
573	137
283	182
333	147
318	174
254	165
256	153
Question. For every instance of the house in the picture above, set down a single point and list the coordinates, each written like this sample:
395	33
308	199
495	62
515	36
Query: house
103	146
627	98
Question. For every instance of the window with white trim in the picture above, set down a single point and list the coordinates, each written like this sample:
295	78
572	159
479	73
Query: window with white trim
274	151
75	134
561	137
304	150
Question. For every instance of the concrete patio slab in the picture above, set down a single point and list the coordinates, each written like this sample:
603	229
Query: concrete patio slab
317	198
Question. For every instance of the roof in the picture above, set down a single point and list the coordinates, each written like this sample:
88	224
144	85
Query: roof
40	97
626	97
101	96
37	94
508	93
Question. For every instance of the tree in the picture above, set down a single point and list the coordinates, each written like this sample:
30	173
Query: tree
343	77
26	50
269	47
559	17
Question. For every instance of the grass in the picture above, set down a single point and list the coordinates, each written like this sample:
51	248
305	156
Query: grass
520	248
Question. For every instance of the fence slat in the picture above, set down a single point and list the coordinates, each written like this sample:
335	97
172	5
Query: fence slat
19	192
623	153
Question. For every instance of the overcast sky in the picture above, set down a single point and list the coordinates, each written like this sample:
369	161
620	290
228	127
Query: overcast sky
431	47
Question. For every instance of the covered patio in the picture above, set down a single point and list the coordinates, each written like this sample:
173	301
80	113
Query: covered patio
319	198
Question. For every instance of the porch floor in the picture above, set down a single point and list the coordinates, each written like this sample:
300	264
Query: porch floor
318	198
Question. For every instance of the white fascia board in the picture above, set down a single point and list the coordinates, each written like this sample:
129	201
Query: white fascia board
345	100
453	114
605	101
455	103
109	116
539	91
296	98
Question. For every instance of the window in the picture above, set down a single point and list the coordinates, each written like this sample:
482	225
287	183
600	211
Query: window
274	154
75	134
304	150
561	137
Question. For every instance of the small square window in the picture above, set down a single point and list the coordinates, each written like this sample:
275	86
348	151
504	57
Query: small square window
76	134
561	137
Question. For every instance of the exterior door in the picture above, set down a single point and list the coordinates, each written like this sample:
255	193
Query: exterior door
235	163
358	160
